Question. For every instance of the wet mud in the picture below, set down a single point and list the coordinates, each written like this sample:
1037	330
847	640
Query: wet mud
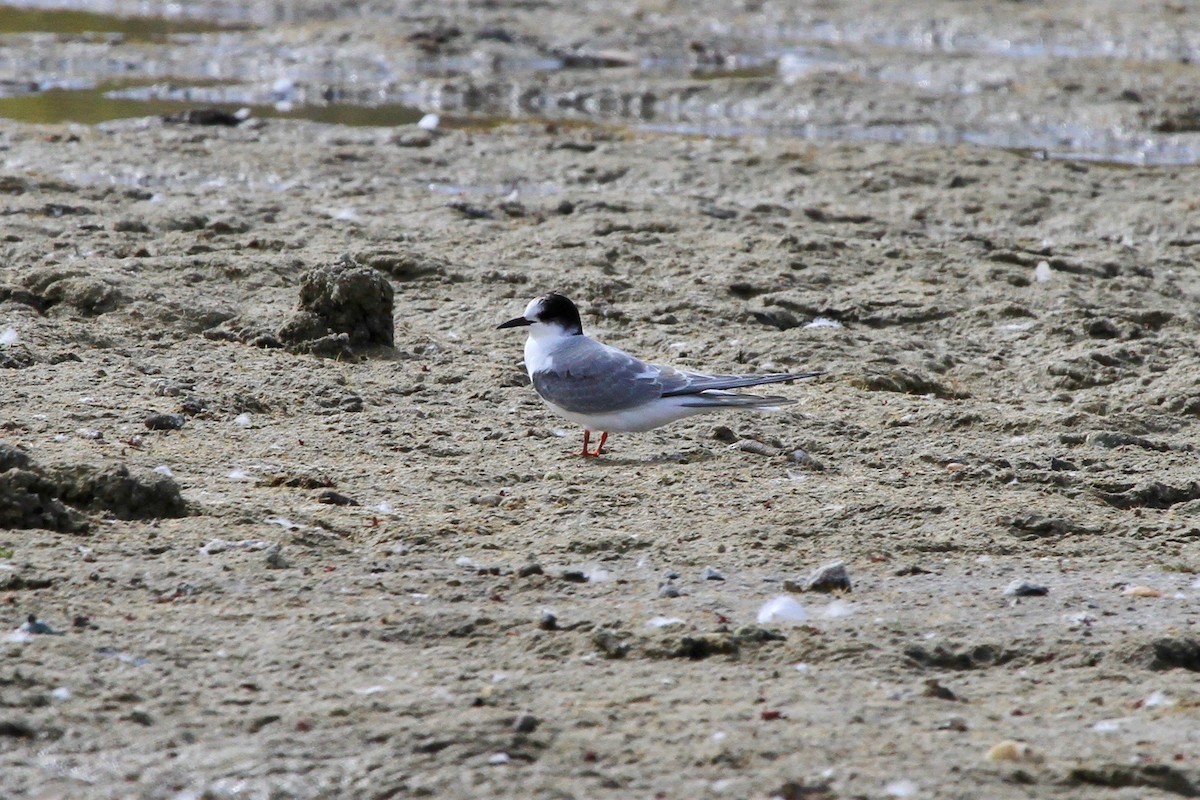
284	518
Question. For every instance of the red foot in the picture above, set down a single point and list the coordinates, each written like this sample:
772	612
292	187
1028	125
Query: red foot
587	436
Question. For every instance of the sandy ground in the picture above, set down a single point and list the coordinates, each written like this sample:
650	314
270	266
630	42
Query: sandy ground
331	576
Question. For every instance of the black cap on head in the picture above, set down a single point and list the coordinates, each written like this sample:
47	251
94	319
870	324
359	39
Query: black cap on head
551	309
557	309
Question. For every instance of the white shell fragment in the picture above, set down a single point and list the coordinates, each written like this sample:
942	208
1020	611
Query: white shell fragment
781	609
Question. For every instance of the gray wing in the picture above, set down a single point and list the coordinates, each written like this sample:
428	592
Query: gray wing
593	378
689	382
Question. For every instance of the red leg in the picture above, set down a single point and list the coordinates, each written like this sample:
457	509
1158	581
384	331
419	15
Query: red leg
587	438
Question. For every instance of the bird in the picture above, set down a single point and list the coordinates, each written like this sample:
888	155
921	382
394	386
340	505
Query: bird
607	390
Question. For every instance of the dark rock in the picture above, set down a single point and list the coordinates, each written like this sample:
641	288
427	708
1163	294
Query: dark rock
718	213
334	498
792	790
469	210
754	634
573	576
258	723
710	574
530	569
140	718
695	648
204	116
191	406
164	422
525	723
779	318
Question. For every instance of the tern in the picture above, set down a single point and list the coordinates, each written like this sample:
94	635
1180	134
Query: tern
607	390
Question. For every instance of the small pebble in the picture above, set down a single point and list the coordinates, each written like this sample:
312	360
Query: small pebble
164	422
1020	588
413	139
530	569
1011	750
723	433
801	457
331	498
574	576
831	577
548	622
1142	591
670	574
956	724
758	448
710	574
525	723
668	590
274	558
935	689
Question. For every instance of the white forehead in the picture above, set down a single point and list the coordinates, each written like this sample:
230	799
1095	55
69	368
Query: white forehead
534	308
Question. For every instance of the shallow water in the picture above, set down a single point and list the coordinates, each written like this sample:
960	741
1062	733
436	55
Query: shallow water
73	22
100	104
928	82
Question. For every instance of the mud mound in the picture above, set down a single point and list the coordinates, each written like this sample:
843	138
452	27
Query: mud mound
342	305
57	499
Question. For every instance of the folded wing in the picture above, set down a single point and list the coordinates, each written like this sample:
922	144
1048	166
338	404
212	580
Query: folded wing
594	378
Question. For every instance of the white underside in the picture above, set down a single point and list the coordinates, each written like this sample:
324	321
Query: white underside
632	420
